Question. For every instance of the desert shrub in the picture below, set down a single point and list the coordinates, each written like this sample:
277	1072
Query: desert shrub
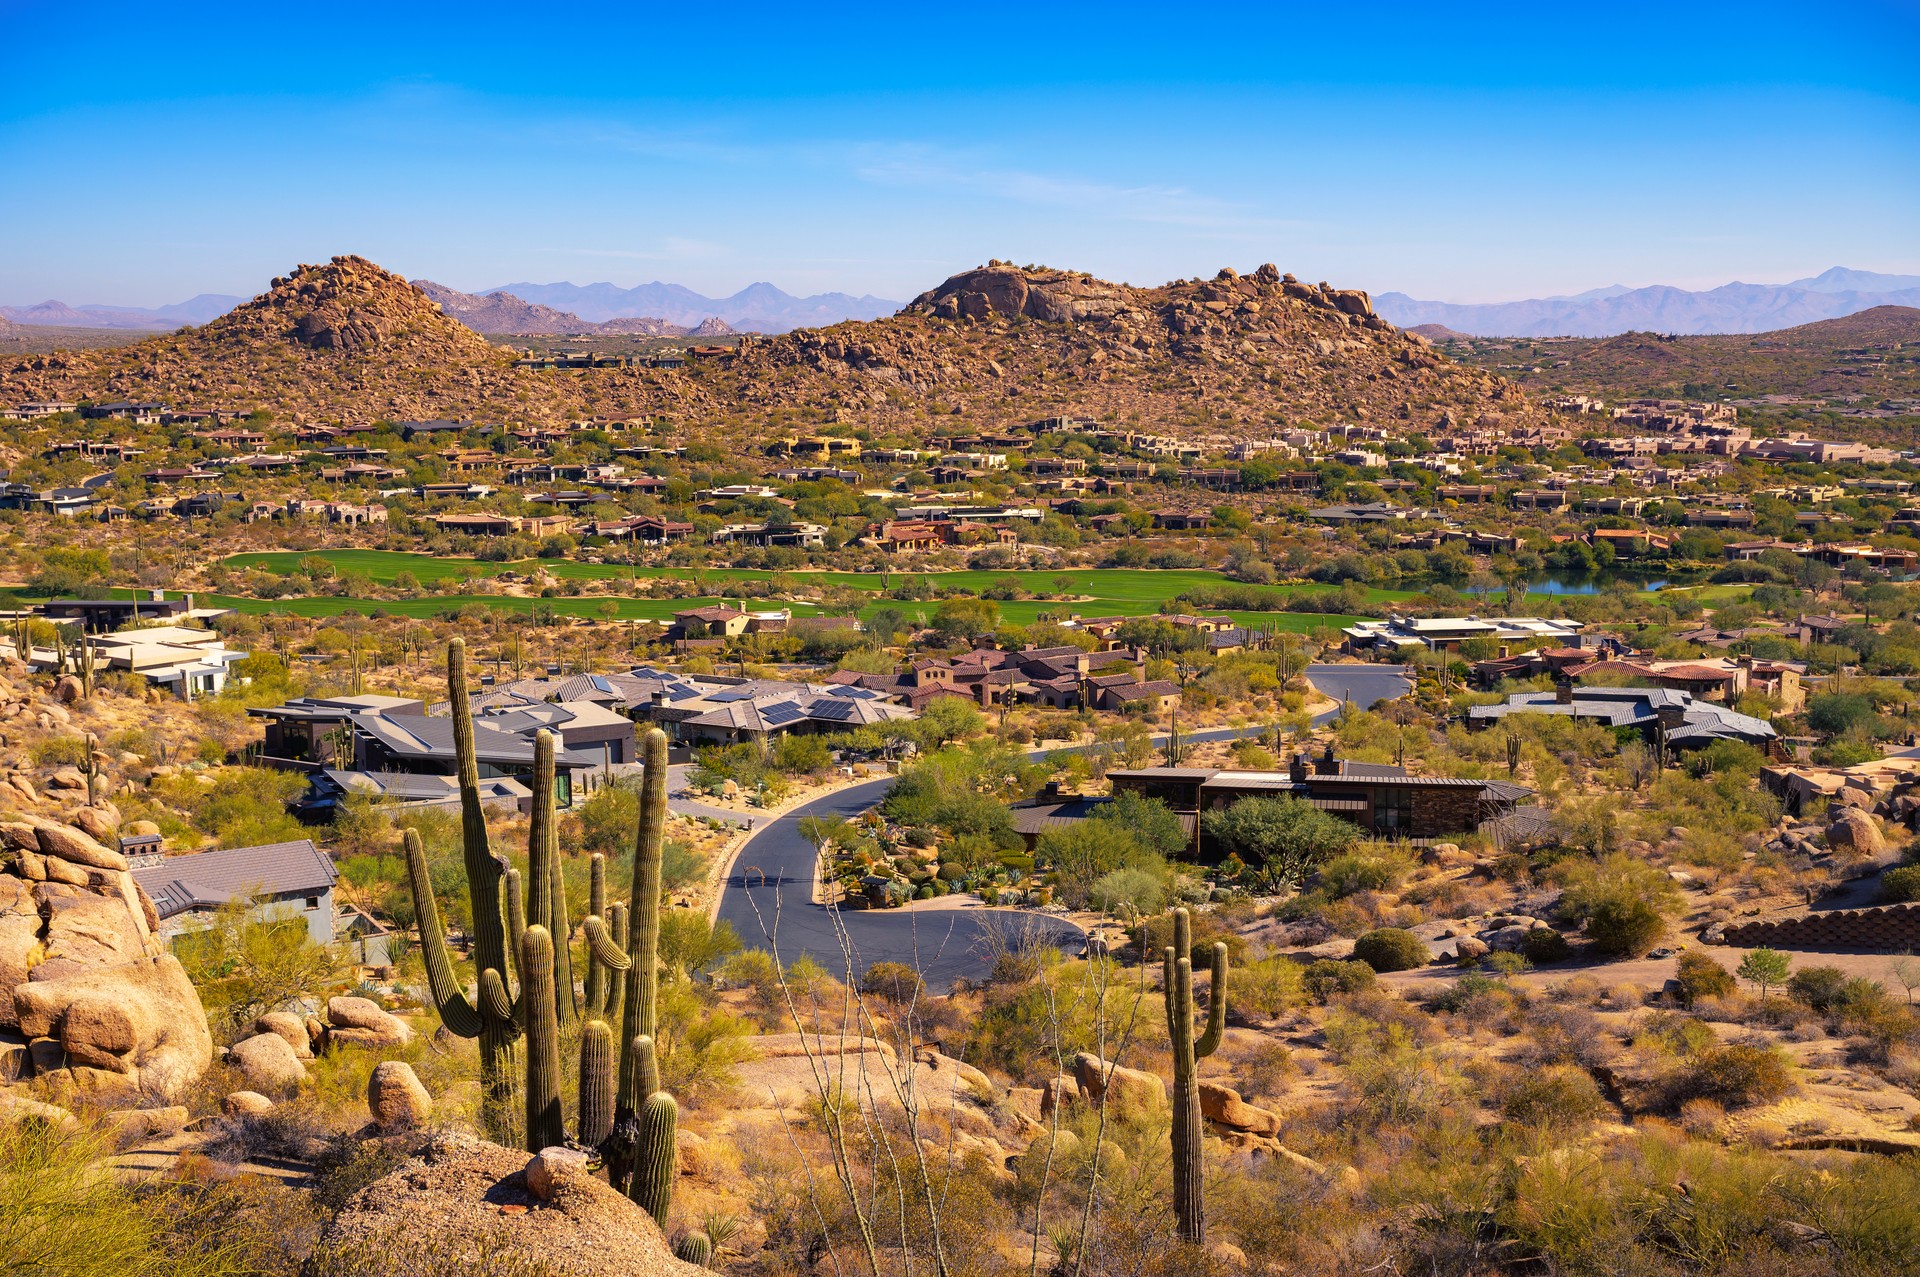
1734	1074
1269	986
1821	988
1624	903
1544	944
1699	976
894	981
1327	977
1558	1095
1391	949
1357	871
1901	884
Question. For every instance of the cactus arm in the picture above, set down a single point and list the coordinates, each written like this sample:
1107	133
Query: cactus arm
607	955
566	999
448	997
495	1004
516	916
597	975
545	1121
643	918
652	1186
539	881
1216	1006
616	982
598	1075
695	1249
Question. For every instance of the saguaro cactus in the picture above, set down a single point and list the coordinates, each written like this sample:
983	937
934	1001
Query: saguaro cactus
598	1074
546	1124
695	1249
1189	1199
654	1169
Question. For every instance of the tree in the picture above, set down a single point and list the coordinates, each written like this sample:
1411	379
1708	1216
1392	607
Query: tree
1152	823
1836	712
964	618
947	719
1085	852
1625	903
245	963
1766	968
1286	835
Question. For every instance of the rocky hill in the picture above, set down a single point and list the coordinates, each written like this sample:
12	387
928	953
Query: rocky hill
998	345
1871	355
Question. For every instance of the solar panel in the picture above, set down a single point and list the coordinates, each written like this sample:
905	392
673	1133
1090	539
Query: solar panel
832	711
600	683
780	713
730	696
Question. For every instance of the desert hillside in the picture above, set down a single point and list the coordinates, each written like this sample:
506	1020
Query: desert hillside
999	345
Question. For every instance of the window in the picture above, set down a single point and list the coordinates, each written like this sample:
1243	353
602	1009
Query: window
1393	811
313	902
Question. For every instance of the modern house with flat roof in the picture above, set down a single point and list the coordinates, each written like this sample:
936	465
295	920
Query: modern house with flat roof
1676	717
1445	633
1384	801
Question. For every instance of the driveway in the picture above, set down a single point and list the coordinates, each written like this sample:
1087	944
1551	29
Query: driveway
768	895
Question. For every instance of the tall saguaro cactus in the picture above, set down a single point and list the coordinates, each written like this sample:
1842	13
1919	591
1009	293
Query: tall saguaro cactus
493	1019
1189	1170
546	1124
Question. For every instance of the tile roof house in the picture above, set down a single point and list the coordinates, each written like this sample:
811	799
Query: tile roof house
282	880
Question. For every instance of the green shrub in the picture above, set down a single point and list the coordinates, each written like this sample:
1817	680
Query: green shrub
1269	986
1327	977
1624	903
894	981
1736	1075
1901	884
1558	1095
1544	944
1819	987
1701	977
1358	871
1391	949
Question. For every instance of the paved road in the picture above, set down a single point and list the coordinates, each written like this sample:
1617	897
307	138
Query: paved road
768	897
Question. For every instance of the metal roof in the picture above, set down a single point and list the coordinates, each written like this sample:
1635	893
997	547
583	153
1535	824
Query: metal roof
209	879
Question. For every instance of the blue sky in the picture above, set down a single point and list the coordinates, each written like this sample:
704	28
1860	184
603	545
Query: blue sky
1466	153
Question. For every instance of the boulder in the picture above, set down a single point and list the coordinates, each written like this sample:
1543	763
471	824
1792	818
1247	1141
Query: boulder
1857	830
1467	949
396	1097
84	932
18	1108
96	822
74	846
551	1167
964	1073
130	1126
361	1022
20	947
1126	1092
289	1026
1222	1104
461	1197
68	688
142	828
16	1062
131	1028
67	778
1057	1093
268	1063
245	1104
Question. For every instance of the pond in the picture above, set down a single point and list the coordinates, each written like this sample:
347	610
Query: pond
1588	583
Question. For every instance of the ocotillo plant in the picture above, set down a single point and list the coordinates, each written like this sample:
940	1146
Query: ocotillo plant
1189	1170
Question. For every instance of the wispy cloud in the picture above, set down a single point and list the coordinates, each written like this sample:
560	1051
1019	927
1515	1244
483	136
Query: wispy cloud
1163	205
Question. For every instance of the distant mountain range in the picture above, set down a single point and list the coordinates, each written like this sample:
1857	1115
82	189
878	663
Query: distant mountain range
1607	312
503	314
195	310
759	308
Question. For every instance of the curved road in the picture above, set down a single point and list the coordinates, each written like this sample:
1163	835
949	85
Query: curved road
768	896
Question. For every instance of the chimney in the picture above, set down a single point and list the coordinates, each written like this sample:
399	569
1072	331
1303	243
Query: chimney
1297	768
189	602
1505	651
1563	691
157	596
1328	765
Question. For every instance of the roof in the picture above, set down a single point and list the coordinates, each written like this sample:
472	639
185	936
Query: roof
419	736
209	879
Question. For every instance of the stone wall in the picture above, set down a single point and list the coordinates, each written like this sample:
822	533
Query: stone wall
1894	929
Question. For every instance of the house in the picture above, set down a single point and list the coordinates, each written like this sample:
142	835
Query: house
279	882
317	729
759	710
411	430
100	616
1658	713
1446	633
714	621
189	663
801	535
1364	512
1182	520
1384	801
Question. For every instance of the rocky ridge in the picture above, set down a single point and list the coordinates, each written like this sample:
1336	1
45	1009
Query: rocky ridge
999	345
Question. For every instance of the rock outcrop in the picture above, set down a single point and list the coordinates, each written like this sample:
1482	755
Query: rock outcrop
85	982
459	1198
